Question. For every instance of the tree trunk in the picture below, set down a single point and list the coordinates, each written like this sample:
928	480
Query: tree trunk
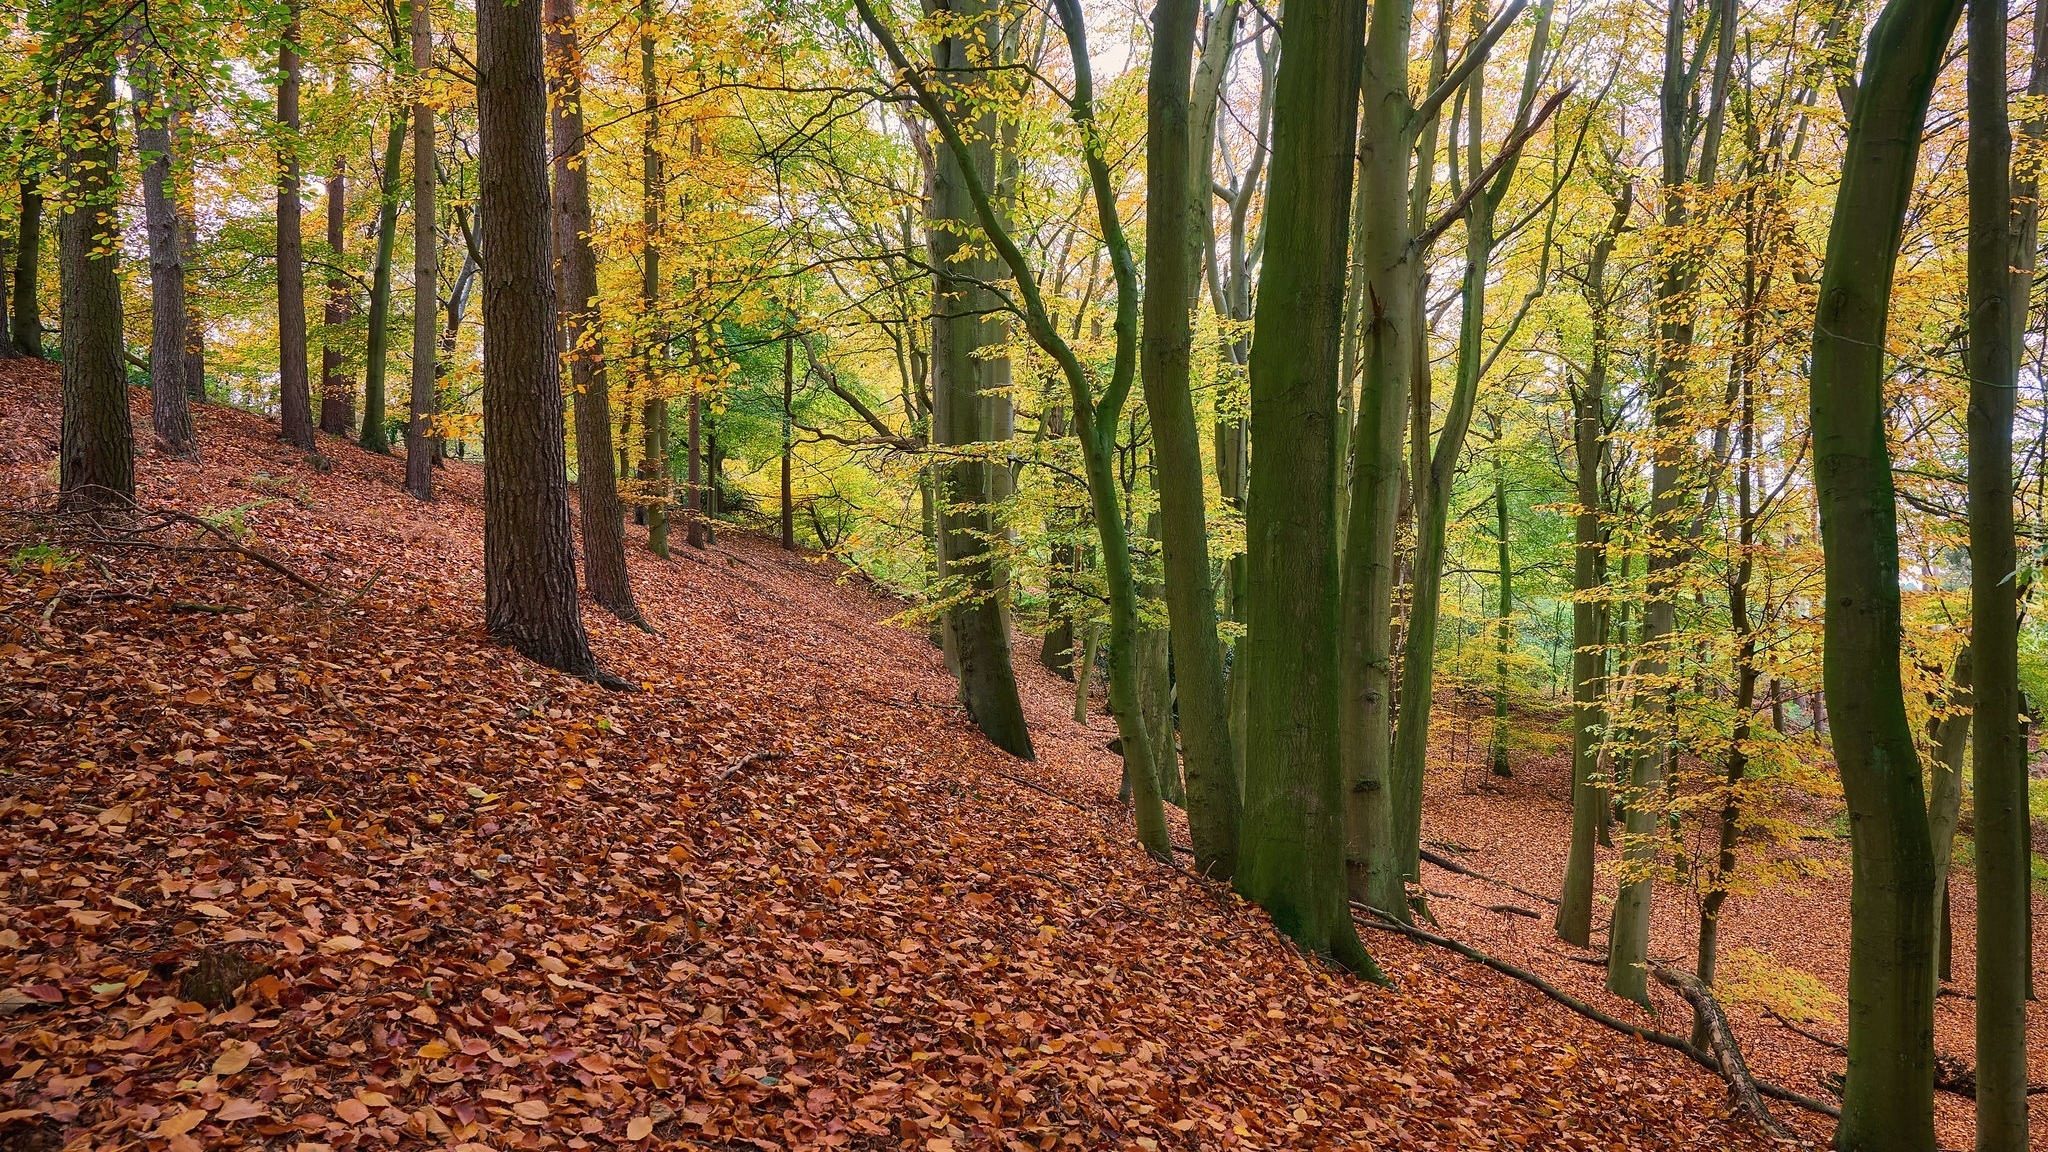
374	436
170	409
529	562
26	318
1888	1101
1084	670
188	240
1998	758
337	388
1504	623
1589	625
694	532
788	444
597	490
654	465
96	457
294	390
1291	854
426	265
1174	228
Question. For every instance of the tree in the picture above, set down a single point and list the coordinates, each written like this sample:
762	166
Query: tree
597	490
96	452
1998	758
337	388
1291	851
374	437
1888	1100
654	462
169	408
426	242
529	563
295	394
26	317
1175	222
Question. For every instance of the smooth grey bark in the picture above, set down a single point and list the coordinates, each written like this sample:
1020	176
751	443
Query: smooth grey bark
96	442
529	562
425	400
1176	222
582	334
170	411
294	389
1888	1100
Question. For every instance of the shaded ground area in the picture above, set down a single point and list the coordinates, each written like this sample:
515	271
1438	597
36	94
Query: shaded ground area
782	897
1519	830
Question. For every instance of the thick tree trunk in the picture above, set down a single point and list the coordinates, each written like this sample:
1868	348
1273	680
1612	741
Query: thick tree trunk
966	410
529	562
426	266
170	409
337	387
96	451
1888	1101
375	437
294	390
582	335
1175	225
1998	758
1291	854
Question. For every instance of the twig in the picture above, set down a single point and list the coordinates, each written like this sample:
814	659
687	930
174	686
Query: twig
1450	865
345	605
748	761
219	609
1666	1039
1816	1037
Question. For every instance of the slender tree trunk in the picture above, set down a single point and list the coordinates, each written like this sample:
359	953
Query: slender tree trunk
1291	855
96	451
426	265
1589	625
1888	1101
1085	671
1504	624
375	437
1998	759
169	405
1174	227
693	532
188	241
294	390
788	445
654	465
1950	735
337	388
529	562
26	319
597	491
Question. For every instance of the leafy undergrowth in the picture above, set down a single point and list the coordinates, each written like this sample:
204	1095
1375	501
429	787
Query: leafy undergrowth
782	897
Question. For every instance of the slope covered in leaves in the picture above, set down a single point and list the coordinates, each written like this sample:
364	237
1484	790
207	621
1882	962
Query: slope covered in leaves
783	896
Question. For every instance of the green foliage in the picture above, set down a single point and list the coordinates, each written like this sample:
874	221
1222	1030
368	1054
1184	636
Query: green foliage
49	559
1748	976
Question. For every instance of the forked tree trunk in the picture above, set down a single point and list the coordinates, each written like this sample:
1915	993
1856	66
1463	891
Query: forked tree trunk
1888	1100
582	334
294	390
170	410
529	562
426	265
96	450
1291	851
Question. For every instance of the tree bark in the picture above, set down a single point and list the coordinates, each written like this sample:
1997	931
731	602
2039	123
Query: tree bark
582	333
170	409
188	240
375	437
425	401
1998	757
96	451
529	562
788	445
654	462
337	388
294	390
1291	854
1888	1101
26	318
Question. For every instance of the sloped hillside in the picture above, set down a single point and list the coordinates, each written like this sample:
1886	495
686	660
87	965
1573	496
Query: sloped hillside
781	897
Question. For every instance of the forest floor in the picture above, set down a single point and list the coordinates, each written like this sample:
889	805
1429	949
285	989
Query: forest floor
783	896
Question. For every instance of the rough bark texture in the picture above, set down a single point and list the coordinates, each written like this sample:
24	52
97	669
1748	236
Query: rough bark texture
426	265
170	411
529	562
188	238
26	318
654	462
96	451
1291	855
1888	1101
597	488
1998	756
375	437
337	388
965	409
1176	222
294	389
788	445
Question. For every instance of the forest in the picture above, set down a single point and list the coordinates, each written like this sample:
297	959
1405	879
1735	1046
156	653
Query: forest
1022	574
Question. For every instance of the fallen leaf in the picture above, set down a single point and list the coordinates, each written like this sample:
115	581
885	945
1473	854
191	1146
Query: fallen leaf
640	1128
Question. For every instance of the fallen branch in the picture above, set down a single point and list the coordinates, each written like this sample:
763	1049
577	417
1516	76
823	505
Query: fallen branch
1675	1043
1816	1037
748	761
217	609
1734	1068
1450	865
